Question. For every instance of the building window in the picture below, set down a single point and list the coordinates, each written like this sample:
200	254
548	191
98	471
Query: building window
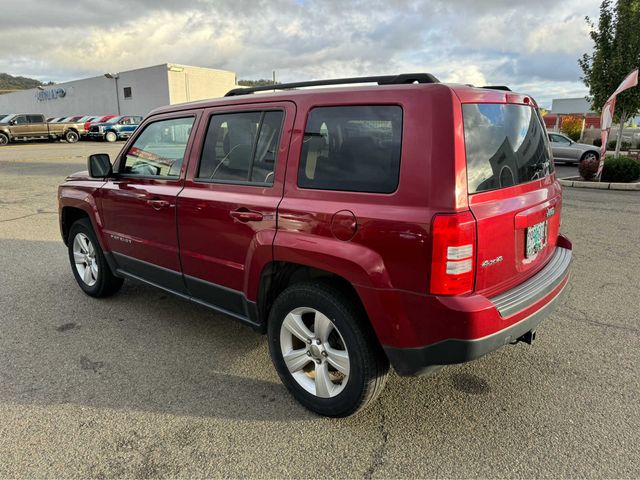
127	92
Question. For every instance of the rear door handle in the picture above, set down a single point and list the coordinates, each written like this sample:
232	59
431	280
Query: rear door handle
245	215
157	203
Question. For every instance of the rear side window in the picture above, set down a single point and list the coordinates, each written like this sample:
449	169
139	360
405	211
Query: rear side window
241	147
506	145
353	149
36	118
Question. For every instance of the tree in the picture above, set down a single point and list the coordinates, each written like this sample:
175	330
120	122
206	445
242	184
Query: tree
616	53
571	126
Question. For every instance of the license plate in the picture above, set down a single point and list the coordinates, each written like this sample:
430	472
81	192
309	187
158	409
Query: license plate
536	238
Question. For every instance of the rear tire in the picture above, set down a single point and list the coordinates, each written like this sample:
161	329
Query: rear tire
111	137
71	136
88	263
340	368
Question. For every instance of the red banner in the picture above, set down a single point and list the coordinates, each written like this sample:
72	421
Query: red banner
606	119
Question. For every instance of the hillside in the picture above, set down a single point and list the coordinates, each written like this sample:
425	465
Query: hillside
9	82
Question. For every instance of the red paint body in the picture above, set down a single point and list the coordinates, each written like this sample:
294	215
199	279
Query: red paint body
380	243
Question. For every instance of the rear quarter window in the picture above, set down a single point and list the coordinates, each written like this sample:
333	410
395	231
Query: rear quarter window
505	144
352	148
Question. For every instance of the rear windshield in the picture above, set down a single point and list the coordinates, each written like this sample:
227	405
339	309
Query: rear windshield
506	145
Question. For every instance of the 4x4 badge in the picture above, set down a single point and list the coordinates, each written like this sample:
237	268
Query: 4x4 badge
493	261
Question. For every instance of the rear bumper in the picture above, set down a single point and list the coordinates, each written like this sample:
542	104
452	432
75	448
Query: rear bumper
511	314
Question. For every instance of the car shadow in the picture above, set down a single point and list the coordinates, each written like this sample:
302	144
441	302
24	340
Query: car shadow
141	349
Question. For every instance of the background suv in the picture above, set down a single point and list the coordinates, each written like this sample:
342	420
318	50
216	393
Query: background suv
409	223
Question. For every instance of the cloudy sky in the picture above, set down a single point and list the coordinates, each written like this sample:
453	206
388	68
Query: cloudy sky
532	46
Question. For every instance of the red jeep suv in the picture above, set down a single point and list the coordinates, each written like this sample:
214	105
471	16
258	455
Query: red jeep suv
406	223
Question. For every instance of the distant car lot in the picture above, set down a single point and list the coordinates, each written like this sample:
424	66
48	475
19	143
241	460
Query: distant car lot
147	385
16	128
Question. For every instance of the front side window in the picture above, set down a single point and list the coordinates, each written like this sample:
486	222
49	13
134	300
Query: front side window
506	145
159	150
20	120
355	148
560	139
241	147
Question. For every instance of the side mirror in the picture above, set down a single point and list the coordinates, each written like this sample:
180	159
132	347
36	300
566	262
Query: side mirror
12	122
99	165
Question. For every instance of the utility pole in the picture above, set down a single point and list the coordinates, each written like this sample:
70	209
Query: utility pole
115	77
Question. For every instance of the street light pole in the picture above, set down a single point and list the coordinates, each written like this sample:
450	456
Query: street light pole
115	76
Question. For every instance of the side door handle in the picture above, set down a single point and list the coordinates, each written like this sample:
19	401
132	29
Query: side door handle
246	215
157	203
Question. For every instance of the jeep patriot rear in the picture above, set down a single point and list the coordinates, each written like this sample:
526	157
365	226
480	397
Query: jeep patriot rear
409	223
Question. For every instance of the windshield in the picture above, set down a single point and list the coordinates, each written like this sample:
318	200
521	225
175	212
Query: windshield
506	145
4	118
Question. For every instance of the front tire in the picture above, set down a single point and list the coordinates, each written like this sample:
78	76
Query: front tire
111	137
4	140
589	156
88	263
324	350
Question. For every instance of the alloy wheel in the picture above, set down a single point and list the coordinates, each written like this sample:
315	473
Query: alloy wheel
84	257
314	352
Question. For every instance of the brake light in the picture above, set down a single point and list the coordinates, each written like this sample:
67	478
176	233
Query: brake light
453	256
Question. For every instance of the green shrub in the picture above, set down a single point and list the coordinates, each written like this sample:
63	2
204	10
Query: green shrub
611	145
621	169
588	168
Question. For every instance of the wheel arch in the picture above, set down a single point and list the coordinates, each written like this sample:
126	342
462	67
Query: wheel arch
68	216
76	203
276	276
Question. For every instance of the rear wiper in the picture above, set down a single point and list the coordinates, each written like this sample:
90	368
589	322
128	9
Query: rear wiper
540	167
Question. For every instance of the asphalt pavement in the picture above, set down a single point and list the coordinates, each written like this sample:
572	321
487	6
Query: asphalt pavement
146	385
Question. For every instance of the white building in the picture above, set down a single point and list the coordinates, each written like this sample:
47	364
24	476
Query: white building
571	106
134	92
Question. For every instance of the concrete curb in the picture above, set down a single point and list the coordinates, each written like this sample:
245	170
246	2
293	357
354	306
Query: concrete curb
577	182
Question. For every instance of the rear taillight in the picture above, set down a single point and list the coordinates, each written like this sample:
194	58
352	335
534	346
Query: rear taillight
454	253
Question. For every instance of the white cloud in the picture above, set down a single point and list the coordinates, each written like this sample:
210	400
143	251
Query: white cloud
468	41
569	35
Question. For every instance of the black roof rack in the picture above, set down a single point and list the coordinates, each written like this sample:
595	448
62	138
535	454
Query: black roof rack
497	87
403	78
